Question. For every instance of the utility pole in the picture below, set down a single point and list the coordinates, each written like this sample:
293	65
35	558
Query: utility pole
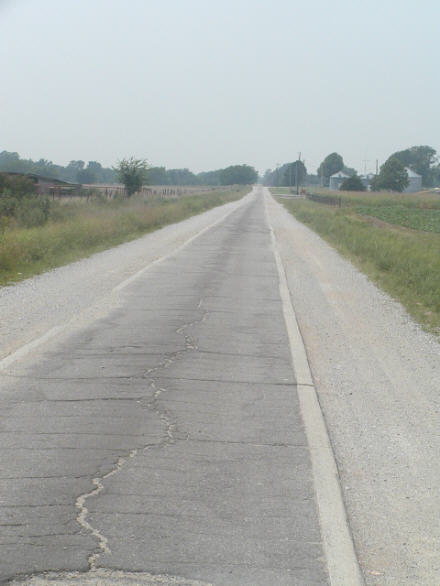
297	173
377	166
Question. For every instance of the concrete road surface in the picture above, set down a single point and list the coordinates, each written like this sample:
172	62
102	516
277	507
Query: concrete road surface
163	443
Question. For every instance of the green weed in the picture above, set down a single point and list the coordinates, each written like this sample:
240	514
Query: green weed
404	263
424	200
424	219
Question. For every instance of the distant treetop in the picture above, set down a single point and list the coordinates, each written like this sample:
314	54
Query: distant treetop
421	159
330	165
286	175
74	172
238	174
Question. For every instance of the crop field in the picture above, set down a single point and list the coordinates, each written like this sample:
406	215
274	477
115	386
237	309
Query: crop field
393	238
77	229
427	220
423	200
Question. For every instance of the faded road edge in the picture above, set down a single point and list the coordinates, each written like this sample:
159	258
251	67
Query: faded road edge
342	563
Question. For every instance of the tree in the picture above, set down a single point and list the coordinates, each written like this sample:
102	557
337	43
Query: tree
89	174
11	162
353	183
157	176
209	178
290	172
72	171
393	175
47	169
132	173
238	174
330	165
420	159
435	175
181	177
348	170
276	177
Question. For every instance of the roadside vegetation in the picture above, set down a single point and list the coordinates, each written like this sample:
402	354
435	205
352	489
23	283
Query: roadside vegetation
68	230
428	200
393	238
78	172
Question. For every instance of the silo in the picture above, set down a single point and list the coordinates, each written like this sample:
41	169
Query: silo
415	181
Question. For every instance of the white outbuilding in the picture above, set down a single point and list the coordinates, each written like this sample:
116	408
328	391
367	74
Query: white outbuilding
415	181
337	179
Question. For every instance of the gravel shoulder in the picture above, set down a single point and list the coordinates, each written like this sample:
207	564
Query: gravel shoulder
83	290
377	374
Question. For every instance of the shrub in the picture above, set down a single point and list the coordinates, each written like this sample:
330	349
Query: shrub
8	205
16	185
353	183
32	211
17	199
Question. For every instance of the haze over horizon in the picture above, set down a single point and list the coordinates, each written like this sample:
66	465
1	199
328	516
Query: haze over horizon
207	85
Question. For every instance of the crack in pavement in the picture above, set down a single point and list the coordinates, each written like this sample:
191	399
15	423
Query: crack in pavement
237	382
101	576
169	437
252	444
83	510
190	345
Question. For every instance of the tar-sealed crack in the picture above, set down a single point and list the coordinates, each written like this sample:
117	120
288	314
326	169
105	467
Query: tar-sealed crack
169	437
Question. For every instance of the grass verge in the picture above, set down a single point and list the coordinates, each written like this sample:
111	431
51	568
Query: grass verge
405	263
77	230
423	200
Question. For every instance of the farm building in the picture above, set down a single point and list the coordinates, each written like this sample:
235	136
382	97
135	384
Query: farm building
48	185
337	179
415	181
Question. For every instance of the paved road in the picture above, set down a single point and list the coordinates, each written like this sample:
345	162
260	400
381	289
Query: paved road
166	438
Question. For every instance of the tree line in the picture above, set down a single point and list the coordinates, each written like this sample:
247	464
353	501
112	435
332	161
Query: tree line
393	174
74	172
232	175
287	175
93	172
134	173
421	159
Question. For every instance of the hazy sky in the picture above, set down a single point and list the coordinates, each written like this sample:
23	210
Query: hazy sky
206	84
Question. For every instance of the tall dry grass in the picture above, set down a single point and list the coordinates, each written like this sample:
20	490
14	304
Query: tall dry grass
76	230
